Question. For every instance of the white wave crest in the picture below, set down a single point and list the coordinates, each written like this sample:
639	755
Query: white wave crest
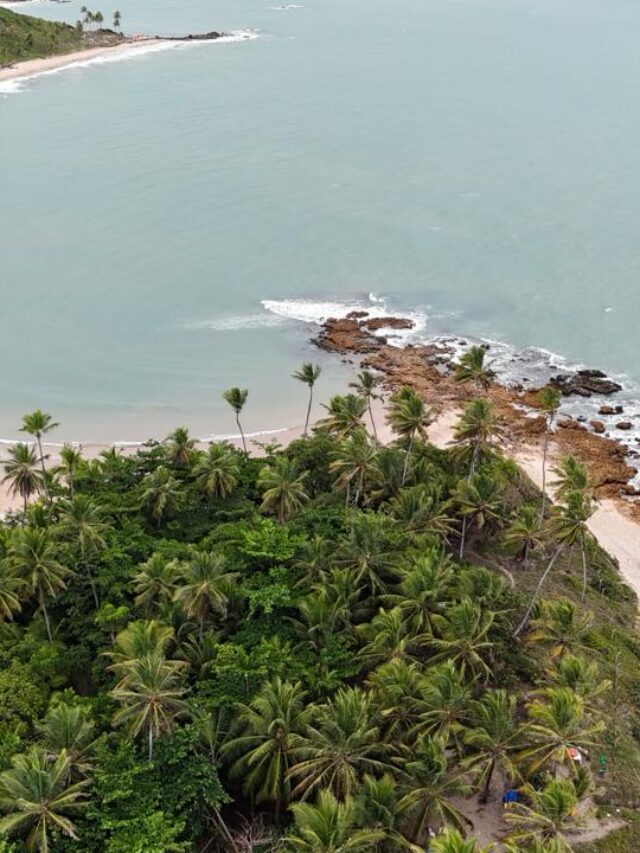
239	322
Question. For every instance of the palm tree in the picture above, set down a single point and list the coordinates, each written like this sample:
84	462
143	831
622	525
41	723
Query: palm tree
117	21
431	788
476	435
389	636
582	677
236	398
354	462
388	476
137	640
551	813
151	695
155	583
98	18
420	510
572	478
217	472
162	495
37	424
32	556
410	419
22	473
180	447
425	589
342	744
480	502
379	810
523	534
70	462
282	487
471	368
68	729
465	637
559	724
444	706
493	736
450	841
36	796
561	626
82	520
367	550
330	826
365	386
206	587
549	399
308	374
266	732
10	588
345	415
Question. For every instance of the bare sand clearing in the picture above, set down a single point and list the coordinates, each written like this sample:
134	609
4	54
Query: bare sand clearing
31	67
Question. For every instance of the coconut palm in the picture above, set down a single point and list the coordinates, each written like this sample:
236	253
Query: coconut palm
365	387
217	472
450	841
549	399
137	640
425	588
70	463
493	737
155	583
409	418
11	586
22	472
82	520
368	550
151	696
236	398
444	709
354	463
345	415
69	729
37	797
389	636
330	826
32	556
397	688
162	495
38	424
480	502
180	447
549	814
419	510
559	723
580	676
309	374
267	731
476	435
282	487
523	534
341	745
206	586
379	810
572	477
472	368
464	639
428	801
117	21
562	627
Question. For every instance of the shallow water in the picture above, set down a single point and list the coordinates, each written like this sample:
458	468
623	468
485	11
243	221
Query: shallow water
472	161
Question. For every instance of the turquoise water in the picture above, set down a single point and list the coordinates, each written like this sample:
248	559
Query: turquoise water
474	161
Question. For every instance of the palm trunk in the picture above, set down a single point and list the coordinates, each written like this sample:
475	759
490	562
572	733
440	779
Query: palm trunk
373	423
584	571
90	576
46	617
150	742
526	616
44	470
24	501
463	537
406	461
484	796
224	829
244	443
545	448
306	423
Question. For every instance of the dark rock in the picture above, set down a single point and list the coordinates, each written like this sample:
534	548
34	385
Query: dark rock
628	489
584	383
598	427
619	410
376	323
625	425
607	410
357	315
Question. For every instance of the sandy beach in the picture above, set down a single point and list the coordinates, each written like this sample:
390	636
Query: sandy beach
52	63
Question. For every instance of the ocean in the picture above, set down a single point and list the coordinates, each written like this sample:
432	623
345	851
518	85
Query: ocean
174	222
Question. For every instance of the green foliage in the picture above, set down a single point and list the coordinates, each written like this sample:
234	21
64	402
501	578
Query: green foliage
24	37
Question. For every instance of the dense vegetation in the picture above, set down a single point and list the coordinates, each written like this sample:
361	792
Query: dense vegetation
336	647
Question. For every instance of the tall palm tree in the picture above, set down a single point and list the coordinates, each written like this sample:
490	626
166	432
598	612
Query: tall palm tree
345	415
342	744
365	387
562	626
162	495
547	816
330	826
409	418
368	551
155	583
582	677
11	586
32	556
69	729
354	463
389	636
431	787
180	447
549	399
379	810
493	736
572	477
398	693
206	586
476	435
37	797
70	463
309	374
137	640
282	486
267	730
37	424
523	534
82	519
480	502
465	637
472	368
420	510
444	706
236	398
425	589
22	472
151	696
217	472
450	841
